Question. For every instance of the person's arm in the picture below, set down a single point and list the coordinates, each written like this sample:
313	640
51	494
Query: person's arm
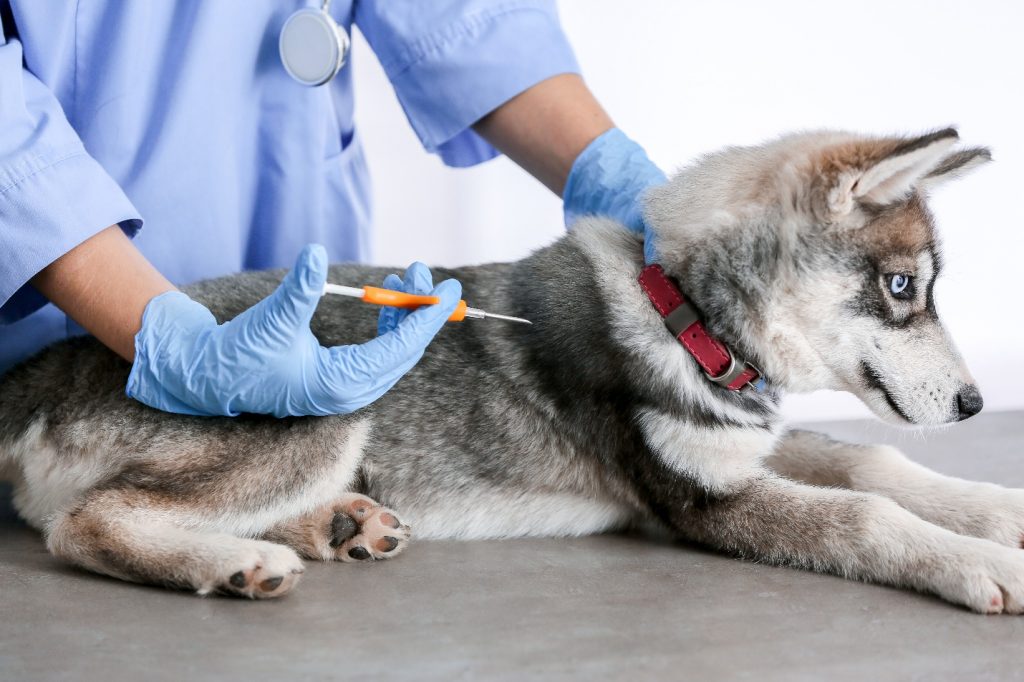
557	131
55	194
104	284
544	128
476	77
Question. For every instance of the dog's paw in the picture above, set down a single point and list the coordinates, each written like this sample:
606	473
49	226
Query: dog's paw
262	571
362	530
983	576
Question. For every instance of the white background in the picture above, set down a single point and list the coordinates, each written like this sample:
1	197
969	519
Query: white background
686	77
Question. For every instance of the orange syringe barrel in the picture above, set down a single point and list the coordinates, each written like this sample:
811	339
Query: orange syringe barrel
400	299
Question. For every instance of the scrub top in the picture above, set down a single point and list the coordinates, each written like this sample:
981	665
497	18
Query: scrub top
177	121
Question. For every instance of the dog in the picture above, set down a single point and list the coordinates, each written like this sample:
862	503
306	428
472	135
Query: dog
810	262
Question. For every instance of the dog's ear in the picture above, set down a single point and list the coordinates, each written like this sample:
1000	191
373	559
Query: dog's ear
956	165
886	171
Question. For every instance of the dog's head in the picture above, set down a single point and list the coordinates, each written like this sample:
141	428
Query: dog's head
816	256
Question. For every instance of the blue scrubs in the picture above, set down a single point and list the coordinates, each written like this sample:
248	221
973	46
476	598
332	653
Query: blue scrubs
179	115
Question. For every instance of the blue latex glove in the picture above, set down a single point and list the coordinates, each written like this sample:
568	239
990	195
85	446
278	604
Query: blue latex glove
267	360
609	178
417	281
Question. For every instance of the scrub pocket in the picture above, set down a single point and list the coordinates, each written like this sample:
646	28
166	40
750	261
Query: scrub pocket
348	201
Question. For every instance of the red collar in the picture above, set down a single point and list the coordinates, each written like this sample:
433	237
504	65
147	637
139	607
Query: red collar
719	363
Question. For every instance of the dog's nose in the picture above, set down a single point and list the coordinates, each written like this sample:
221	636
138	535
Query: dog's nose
969	402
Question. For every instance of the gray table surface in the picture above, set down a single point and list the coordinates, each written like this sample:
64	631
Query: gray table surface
590	608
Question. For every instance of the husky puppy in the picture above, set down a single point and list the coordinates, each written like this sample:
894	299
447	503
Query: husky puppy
813	257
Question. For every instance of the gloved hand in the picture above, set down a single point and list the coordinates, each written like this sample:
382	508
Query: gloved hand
267	360
609	178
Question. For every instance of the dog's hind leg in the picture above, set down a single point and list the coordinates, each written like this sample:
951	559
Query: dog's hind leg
853	534
129	534
352	528
982	510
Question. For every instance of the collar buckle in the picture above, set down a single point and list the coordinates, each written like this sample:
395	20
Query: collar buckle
735	370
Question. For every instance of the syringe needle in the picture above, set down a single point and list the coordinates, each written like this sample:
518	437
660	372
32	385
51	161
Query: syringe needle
507	318
480	314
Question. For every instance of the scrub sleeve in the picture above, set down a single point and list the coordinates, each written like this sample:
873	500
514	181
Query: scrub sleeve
451	63
53	195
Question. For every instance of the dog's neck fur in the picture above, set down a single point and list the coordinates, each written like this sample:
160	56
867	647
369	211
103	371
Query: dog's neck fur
734	282
617	258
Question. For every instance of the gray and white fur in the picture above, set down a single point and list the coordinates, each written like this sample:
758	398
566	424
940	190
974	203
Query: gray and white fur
593	419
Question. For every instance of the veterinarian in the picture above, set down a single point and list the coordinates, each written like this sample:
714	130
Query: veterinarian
144	143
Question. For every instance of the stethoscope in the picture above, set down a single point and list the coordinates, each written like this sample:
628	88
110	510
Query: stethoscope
313	46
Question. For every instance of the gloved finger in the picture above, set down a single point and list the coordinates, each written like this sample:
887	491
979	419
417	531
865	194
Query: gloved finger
650	249
373	363
418	328
390	316
291	306
418	279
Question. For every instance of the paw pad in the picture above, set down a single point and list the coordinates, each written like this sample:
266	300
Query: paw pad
359	553
386	544
343	527
271	584
270	571
375	532
361	507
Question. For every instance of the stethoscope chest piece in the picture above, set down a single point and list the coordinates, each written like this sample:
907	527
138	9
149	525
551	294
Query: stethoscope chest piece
313	46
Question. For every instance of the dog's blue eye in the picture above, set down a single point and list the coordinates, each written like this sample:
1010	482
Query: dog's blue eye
901	286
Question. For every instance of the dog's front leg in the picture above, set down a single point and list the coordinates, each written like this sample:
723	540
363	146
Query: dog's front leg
857	535
982	510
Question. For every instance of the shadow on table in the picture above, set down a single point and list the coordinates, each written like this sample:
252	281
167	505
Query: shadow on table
7	513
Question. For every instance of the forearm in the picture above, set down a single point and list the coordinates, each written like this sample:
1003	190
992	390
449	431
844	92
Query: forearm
104	284
544	128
